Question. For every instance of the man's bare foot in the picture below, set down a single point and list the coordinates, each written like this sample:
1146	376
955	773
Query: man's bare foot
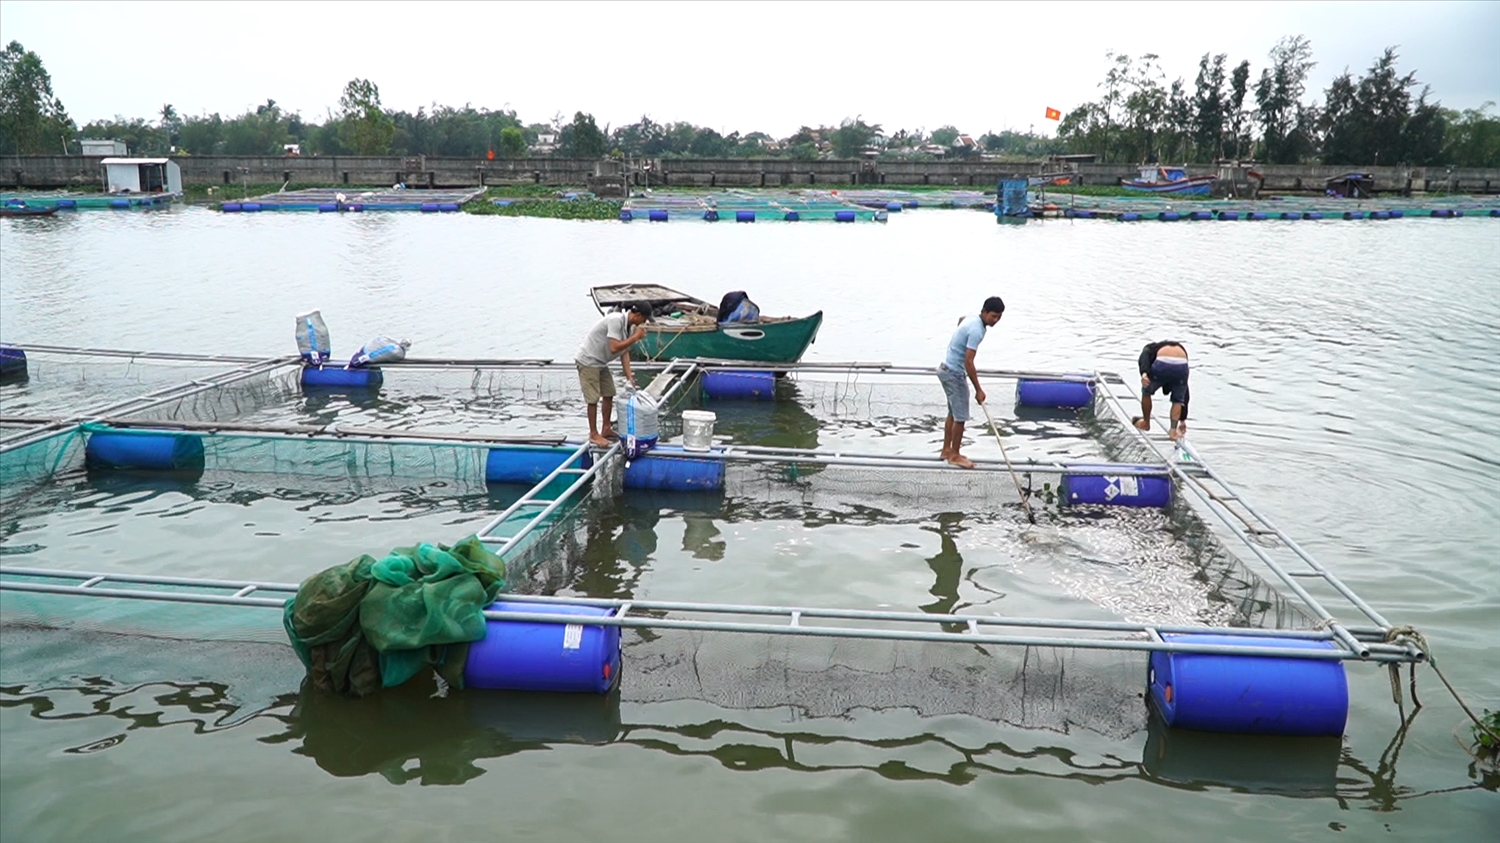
961	461
1141	423
609	433
945	455
599	441
1174	434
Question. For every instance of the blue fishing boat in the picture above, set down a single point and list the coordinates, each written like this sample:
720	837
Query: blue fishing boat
1155	179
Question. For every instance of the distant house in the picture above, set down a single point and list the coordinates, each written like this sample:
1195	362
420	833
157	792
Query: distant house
964	142
142	175
94	146
934	149
546	144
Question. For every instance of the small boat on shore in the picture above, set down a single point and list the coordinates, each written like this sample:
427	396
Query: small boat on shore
1169	180
684	326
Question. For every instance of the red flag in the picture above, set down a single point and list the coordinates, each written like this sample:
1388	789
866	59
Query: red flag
1054	114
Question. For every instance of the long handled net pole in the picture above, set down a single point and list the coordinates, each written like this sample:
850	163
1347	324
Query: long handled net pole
1025	499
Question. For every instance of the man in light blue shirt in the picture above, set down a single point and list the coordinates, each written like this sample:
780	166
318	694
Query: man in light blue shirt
957	371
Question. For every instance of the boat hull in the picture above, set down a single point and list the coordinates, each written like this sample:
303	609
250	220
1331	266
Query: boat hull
1196	186
782	341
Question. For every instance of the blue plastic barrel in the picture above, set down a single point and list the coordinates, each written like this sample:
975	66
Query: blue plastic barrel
328	207
893	206
912	203
1255	215
447	207
1457	212
1441	212
1054	393
67	203
523	465
230	207
1354	215
1201	215
792	216
157	451
662	469
625	215
1250	694
337	377
657	215
1122	489
357	206
532	656
1229	215
1312	215
1169	216
1129	216
1290	215
430	207
711	215
250	207
843	216
1380	215
119	203
1495	212
724	384
12	360
744	216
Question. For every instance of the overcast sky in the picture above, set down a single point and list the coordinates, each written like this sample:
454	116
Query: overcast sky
730	66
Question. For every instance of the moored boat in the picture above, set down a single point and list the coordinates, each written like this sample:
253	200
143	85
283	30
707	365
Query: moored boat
23	210
684	326
1169	180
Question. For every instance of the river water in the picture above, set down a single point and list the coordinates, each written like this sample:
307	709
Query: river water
1345	375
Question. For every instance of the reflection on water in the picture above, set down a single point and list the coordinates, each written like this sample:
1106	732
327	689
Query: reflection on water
412	734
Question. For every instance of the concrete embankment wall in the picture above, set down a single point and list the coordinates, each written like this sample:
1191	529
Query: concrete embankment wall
55	171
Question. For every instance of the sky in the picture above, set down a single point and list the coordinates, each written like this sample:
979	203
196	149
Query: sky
730	66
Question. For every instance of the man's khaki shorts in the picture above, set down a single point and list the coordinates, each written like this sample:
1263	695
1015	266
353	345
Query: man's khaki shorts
597	383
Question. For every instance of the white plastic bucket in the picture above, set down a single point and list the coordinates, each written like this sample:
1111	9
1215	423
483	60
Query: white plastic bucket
697	430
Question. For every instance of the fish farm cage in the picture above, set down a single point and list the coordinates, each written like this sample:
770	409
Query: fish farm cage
1171	579
805	205
1159	208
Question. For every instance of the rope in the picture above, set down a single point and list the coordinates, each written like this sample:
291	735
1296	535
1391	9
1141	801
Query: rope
1411	635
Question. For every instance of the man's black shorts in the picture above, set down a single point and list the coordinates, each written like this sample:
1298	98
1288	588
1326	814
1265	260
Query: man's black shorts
1170	378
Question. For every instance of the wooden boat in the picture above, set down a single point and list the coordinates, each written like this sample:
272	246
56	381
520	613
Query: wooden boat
1169	180
25	211
684	326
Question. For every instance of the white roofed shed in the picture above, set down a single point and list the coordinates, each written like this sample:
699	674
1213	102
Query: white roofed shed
142	175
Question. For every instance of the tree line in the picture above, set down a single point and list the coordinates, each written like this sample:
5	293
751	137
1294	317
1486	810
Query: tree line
1373	118
1378	117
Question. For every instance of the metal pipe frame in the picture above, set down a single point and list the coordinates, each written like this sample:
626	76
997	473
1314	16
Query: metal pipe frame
145	402
1192	481
584	475
1351	645
1152	636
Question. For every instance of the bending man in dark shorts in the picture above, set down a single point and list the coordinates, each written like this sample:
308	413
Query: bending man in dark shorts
957	371
1164	366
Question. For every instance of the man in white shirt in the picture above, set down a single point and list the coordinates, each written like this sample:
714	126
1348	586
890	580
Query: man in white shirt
957	371
610	338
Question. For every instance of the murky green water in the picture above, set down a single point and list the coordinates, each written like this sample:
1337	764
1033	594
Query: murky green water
1344	380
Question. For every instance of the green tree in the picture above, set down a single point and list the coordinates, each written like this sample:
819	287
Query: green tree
582	138
1471	137
853	135
366	129
1208	108
32	118
944	136
1278	99
1235	113
512	142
